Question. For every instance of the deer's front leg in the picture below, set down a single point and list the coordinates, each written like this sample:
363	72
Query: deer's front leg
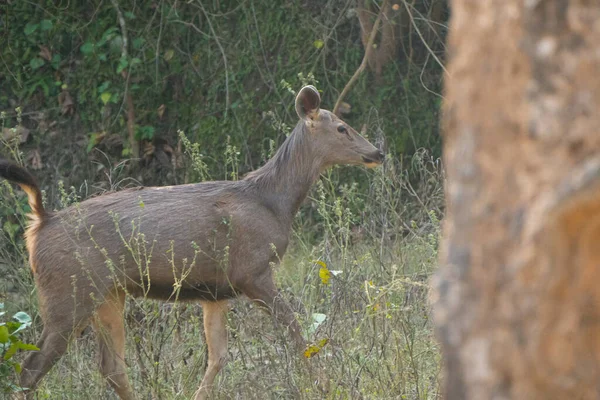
262	291
215	328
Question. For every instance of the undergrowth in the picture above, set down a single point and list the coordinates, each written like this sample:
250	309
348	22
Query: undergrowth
356	274
363	244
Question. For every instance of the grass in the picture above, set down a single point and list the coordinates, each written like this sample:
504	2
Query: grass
380	339
379	246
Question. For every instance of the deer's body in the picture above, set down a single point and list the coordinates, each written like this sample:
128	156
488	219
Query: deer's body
148	232
209	241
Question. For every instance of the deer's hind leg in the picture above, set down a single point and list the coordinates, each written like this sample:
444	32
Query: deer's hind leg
215	328
62	321
52	344
110	330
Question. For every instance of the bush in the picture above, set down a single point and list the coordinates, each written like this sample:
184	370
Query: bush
10	344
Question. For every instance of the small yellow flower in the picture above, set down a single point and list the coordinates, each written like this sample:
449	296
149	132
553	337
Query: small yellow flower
324	273
313	349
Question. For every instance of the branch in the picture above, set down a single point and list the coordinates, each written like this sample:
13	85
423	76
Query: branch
412	20
128	99
363	64
222	54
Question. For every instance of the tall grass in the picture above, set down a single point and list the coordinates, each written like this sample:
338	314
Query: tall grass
356	273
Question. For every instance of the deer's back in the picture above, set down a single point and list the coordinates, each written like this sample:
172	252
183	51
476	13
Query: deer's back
203	236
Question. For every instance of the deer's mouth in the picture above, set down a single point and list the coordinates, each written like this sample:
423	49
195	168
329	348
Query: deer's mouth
372	162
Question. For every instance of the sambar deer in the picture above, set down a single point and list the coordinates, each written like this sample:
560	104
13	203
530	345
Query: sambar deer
85	262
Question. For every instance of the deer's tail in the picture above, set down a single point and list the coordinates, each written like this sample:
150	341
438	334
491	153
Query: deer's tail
19	175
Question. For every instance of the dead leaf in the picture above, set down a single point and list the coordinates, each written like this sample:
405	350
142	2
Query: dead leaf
35	159
168	150
43	126
19	131
177	158
161	111
344	108
113	140
148	149
45	53
67	106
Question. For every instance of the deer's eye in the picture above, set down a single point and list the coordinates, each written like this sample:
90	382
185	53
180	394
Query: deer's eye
342	129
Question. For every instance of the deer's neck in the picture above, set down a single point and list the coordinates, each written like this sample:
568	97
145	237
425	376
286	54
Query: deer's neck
286	179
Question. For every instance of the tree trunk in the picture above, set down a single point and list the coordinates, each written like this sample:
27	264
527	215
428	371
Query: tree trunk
517	297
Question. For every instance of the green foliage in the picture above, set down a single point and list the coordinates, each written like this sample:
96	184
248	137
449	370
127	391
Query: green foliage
214	70
227	73
10	344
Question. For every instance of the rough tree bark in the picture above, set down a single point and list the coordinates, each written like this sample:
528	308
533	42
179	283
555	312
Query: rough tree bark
517	297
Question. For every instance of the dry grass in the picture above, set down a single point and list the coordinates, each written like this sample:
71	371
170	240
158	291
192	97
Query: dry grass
380	342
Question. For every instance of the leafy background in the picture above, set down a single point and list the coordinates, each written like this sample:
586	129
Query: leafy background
219	70
224	73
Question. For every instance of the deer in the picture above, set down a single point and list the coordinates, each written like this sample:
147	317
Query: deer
235	231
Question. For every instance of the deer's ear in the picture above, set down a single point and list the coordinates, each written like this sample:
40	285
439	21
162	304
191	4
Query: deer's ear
307	102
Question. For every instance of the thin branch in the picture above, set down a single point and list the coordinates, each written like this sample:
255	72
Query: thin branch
123	28
422	38
222	54
125	73
192	25
157	52
363	64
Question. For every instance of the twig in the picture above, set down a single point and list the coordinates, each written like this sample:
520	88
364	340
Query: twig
157	52
222	54
363	64
412	20
125	73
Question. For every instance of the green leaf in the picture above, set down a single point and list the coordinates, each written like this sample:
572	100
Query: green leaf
318	43
3	334
11	351
22	317
105	85
138	42
318	318
28	347
11	229
46	24
36	63
87	48
144	132
135	61
30	28
91	142
123	63
56	59
105	97
129	15
107	35
23	321
169	54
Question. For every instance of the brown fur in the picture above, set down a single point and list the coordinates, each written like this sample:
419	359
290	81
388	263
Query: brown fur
90	255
